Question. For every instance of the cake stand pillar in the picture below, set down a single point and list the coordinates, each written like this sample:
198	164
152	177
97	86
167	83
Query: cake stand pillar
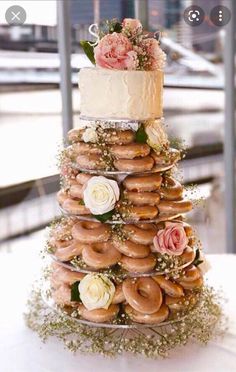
64	45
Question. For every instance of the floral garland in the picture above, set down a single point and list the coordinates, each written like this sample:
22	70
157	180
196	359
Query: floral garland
124	46
204	322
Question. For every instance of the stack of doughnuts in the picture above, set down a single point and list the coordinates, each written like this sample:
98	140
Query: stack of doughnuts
127	155
149	196
148	300
99	248
131	247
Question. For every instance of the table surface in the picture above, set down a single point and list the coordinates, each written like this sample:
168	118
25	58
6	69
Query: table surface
22	351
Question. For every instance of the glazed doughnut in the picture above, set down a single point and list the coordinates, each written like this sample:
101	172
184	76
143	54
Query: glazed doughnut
59	243
143	183
160	159
138	265
91	162
62	295
180	303
142	294
91	232
189	233
62	231
142	213
131	249
76	191
188	255
171	190
172	289
191	274
188	229
112	136
131	151
61	196
67	253
83	178
193	284
119	137
119	295
81	148
142	198
101	255
140	234
69	155
71	181
134	165
98	315
74	135
158	317
74	207
174	207
61	275
171	157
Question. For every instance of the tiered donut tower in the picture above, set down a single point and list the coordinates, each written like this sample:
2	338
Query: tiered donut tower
123	255
123	223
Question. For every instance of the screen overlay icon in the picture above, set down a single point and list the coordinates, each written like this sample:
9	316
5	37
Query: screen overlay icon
194	15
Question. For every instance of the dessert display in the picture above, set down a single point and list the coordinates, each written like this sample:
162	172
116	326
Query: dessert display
122	254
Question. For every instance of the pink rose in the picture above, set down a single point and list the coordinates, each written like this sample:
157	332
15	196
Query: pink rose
171	240
132	26
115	51
156	56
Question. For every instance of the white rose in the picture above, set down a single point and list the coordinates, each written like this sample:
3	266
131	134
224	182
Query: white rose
101	195
90	135
96	291
157	137
205	266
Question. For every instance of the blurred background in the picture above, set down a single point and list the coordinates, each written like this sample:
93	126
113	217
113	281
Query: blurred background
31	121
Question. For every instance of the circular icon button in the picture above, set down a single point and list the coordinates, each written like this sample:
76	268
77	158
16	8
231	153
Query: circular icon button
194	15
220	15
15	15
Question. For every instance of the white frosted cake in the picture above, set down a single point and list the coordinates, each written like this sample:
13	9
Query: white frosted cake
121	94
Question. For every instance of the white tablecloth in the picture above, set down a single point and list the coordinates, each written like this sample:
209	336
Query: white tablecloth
22	351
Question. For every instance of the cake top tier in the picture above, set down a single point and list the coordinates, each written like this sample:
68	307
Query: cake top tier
128	79
114	94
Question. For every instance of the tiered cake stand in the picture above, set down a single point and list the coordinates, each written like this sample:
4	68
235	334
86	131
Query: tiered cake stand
195	317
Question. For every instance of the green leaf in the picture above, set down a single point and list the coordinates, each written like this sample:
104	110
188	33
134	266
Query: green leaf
197	255
117	27
104	217
81	202
197	261
75	296
141	135
88	50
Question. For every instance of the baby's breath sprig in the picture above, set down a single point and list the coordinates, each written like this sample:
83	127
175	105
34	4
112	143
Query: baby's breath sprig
118	233
200	323
179	144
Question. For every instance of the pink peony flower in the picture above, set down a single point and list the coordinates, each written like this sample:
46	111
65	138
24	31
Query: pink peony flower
115	51
156	56
132	26
171	240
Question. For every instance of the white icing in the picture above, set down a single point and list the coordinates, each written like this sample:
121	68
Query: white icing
135	95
